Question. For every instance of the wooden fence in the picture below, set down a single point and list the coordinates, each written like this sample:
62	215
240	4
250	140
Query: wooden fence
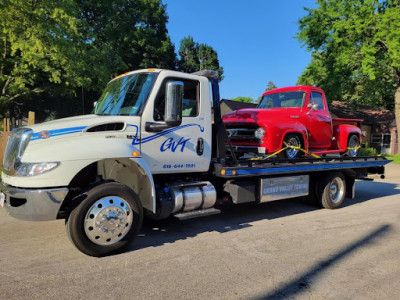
3	142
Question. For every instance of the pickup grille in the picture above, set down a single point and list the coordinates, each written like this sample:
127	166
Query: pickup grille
241	134
15	148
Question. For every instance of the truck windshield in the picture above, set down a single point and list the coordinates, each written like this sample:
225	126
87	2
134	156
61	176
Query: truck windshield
125	95
285	99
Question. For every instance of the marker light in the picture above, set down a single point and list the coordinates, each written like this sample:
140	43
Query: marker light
135	154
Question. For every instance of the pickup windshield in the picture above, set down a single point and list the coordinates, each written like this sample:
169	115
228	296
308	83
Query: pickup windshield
125	95
285	99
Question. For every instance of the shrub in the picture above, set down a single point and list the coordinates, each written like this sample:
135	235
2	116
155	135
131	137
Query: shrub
368	151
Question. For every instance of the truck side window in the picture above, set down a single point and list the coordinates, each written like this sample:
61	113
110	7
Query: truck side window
316	98
191	96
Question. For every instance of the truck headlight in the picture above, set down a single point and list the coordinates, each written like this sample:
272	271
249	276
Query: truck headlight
32	169
259	133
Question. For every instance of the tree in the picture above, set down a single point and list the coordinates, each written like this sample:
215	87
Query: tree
356	51
133	32
40	45
195	57
270	86
60	49
243	99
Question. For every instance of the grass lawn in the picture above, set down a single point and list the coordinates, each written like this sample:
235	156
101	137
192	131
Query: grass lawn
395	158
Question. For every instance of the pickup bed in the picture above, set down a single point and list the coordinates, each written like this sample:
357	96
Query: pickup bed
295	116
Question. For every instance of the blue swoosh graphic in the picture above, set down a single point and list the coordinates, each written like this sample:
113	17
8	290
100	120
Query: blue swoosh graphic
58	132
136	127
63	131
165	132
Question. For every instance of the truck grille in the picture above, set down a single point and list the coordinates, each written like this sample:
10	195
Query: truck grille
15	148
241	133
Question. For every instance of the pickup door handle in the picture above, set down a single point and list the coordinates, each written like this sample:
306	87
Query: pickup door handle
200	146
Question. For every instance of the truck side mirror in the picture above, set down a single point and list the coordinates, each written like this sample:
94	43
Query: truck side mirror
173	103
312	106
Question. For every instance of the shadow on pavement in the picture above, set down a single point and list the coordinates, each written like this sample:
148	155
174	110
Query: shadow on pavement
370	190
232	217
236	217
303	281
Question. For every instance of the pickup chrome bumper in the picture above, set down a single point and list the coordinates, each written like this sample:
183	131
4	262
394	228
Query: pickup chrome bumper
249	149
32	204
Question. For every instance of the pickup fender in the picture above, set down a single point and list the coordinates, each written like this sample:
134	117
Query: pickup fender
276	133
341	134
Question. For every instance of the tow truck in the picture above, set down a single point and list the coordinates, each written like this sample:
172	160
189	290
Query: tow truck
155	146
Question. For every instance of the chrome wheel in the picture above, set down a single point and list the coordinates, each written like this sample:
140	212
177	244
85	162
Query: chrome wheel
336	190
354	143
292	140
108	220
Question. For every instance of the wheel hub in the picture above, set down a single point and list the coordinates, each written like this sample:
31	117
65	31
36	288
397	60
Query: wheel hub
108	220
336	190
291	152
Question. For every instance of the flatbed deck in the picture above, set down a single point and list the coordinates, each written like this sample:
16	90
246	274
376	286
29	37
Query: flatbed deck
259	167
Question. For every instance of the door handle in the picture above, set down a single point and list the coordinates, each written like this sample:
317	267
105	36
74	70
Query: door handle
200	146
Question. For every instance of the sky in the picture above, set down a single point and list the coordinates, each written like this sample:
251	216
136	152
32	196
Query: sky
255	39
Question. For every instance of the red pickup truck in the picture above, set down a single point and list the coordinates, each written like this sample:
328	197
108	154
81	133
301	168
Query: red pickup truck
296	116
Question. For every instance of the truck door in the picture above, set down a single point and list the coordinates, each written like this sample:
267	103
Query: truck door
319	122
184	148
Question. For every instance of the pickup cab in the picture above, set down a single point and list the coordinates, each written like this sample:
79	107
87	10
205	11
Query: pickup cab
295	116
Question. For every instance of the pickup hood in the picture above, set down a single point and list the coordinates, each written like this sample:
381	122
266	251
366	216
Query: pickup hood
260	116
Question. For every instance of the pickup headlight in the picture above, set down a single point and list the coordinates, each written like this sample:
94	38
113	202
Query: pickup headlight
259	133
32	169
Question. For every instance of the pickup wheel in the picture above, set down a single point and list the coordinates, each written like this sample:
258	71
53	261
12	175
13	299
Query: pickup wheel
108	219
331	190
353	143
292	140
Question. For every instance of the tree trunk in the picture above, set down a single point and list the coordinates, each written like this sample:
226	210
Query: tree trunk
397	114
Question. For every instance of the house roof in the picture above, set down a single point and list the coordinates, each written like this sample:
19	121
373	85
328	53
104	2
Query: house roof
369	115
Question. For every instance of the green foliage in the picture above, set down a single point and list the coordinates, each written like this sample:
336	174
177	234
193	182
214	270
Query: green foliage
356	50
243	99
195	57
395	158
270	86
368	151
51	49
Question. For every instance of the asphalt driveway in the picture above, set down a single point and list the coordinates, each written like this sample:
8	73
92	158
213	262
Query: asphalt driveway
284	249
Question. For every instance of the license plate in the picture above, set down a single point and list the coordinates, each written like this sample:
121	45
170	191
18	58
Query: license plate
2	199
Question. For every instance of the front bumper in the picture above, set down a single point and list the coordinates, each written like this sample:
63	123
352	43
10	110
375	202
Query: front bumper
249	149
33	204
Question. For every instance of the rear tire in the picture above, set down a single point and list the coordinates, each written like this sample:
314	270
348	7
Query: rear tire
332	190
107	220
353	142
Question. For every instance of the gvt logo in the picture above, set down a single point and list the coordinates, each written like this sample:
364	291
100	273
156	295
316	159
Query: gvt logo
173	145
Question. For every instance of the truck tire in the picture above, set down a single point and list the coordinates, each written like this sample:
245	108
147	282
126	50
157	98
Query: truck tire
108	219
292	139
353	142
332	190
